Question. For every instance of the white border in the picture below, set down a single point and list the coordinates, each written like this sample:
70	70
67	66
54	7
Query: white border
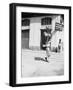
20	80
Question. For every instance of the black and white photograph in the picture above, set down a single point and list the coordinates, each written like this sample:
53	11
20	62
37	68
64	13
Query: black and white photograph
40	44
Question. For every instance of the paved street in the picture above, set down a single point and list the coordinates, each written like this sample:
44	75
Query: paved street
32	67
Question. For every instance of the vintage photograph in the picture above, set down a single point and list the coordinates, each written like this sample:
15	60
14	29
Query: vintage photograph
42	44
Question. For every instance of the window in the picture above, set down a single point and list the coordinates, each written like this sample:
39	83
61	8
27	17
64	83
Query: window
46	21
25	22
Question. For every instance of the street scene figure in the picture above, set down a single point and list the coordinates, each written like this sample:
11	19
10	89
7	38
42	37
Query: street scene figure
48	36
59	45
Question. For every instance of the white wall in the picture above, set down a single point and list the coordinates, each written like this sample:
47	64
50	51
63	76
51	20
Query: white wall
53	23
4	45
34	37
57	35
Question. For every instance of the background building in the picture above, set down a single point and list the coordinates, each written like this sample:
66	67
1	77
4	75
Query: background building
33	27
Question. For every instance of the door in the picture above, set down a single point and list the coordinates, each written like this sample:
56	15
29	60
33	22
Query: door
25	39
43	39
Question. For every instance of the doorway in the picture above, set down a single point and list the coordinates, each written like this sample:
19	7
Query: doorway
43	39
25	39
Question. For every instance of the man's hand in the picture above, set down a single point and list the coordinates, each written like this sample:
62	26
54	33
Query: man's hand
44	45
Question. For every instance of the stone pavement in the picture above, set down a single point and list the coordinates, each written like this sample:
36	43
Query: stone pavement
32	67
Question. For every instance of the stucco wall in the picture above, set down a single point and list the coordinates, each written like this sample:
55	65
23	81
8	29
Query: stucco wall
35	32
58	34
34	36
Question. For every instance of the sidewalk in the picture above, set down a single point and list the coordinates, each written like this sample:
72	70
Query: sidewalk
32	67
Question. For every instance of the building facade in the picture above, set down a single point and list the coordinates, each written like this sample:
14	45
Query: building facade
33	28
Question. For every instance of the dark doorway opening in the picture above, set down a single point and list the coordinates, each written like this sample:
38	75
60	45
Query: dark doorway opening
25	39
43	39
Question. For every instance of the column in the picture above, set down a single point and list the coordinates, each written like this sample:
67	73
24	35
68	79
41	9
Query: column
34	37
